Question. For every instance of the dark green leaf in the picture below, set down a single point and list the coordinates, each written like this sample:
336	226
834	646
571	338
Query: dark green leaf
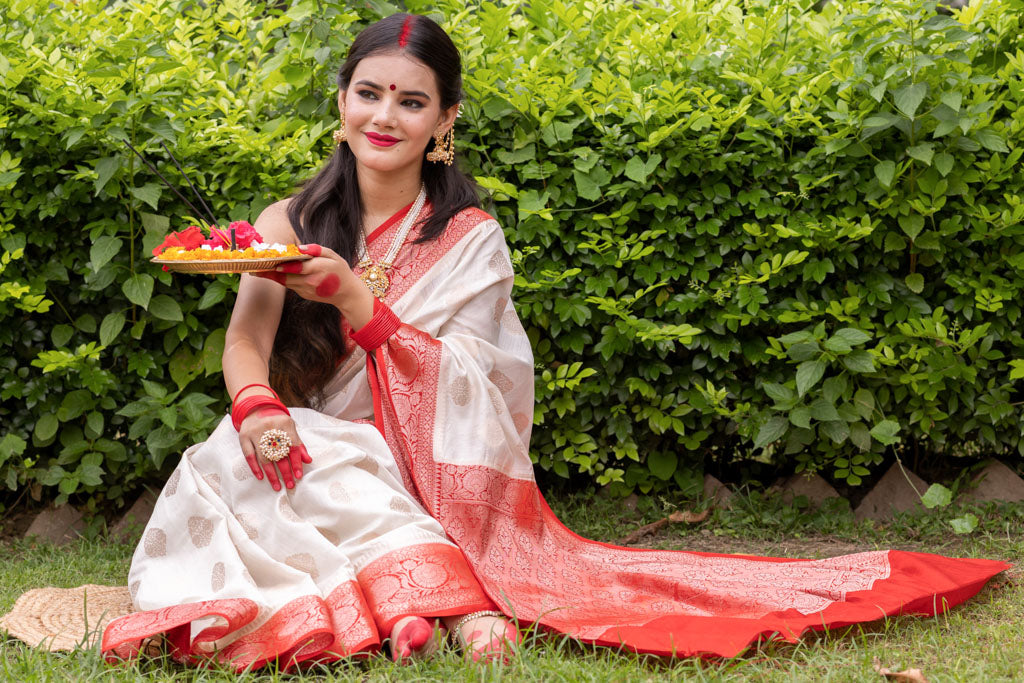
111	326
778	392
105	169
104	249
912	225
165	308
807	375
138	288
860	436
991	140
864	402
46	427
885	171
886	432
965	524
770	431
837	430
909	98
922	152
149	193
75	403
61	334
800	416
859	361
944	163
662	464
823	410
915	282
937	495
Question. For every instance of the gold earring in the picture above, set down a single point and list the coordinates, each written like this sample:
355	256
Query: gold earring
444	147
339	134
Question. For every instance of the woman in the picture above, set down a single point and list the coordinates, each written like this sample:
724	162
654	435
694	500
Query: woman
407	495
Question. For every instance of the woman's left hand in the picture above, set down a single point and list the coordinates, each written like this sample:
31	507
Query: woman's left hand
326	278
321	278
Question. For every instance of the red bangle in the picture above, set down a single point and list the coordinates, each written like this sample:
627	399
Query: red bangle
250	386
381	326
242	409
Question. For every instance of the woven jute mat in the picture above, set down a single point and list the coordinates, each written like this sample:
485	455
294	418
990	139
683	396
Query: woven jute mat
66	618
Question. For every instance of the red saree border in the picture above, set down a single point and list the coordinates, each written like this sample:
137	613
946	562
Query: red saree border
308	627
500	522
428	580
383	227
416	259
905	593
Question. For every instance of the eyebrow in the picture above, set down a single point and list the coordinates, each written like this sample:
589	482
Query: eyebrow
416	93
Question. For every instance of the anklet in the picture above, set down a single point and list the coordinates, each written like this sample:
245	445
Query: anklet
457	629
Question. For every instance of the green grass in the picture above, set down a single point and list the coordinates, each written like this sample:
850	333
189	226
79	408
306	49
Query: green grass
978	641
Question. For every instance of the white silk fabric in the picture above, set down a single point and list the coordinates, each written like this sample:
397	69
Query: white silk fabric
218	533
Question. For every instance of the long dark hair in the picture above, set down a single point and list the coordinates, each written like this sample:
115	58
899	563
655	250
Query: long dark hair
309	344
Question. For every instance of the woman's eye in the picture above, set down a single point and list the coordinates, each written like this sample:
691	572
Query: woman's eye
413	104
367	94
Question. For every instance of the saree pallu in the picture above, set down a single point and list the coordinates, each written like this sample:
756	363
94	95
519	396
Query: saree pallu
446	371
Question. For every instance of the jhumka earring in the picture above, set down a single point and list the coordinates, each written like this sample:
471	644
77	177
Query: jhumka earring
339	134
444	147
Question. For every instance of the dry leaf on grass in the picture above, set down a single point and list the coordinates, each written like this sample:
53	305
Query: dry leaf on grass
907	676
676	517
689	517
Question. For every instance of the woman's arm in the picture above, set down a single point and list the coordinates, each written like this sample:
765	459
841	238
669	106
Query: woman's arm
257	313
247	348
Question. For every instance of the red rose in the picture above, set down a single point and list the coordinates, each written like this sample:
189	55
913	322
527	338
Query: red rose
169	241
245	234
191	237
219	237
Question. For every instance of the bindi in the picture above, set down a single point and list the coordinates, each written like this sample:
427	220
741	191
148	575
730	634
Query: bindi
392	86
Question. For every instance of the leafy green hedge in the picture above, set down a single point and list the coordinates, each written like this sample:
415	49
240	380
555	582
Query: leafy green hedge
745	230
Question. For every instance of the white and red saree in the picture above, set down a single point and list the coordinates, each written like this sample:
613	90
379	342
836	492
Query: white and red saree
432	509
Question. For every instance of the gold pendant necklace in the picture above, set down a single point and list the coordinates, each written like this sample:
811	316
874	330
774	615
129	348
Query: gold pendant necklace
375	275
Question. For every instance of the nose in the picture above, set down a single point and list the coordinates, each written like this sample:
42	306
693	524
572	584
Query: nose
384	114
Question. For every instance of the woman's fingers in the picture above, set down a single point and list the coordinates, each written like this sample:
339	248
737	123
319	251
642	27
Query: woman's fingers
271	471
249	451
295	460
311	249
306	458
279	278
285	467
290	267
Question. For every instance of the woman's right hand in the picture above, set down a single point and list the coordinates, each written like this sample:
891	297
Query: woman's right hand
290	467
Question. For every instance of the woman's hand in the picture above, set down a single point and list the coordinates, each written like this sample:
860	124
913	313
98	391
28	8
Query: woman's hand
252	428
326	278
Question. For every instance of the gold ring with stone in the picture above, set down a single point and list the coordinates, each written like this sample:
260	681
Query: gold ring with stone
274	444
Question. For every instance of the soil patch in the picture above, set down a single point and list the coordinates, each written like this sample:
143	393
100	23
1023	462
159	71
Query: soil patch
16	522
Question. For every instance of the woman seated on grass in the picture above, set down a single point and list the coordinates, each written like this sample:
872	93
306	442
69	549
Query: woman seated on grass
394	496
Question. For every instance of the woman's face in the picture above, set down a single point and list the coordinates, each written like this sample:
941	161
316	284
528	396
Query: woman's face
392	110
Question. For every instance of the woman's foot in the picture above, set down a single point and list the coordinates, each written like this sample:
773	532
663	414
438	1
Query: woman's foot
413	638
488	638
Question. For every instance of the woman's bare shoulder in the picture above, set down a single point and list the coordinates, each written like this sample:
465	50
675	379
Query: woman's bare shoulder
273	224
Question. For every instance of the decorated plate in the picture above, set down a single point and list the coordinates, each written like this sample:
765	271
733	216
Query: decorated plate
228	265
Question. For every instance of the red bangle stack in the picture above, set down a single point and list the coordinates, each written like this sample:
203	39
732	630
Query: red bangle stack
241	409
379	329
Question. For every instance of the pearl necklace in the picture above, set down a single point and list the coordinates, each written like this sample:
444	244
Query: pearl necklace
375	275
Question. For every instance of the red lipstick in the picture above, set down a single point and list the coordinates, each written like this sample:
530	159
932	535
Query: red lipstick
381	140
